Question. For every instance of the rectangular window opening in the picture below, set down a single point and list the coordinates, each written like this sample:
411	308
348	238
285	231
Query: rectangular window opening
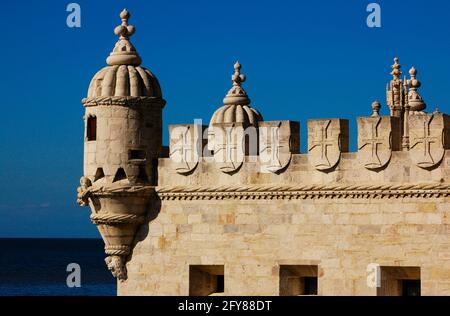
206	280
136	154
399	281
298	280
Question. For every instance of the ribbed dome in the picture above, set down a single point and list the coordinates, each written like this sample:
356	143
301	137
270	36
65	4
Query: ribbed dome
123	77
236	108
124	80
236	114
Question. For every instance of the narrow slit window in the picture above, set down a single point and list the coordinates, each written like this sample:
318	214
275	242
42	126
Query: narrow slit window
91	128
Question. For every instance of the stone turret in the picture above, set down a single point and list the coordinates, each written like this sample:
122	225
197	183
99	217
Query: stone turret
123	136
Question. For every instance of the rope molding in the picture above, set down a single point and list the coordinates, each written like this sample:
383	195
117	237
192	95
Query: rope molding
303	191
134	190
116	219
117	250
121	101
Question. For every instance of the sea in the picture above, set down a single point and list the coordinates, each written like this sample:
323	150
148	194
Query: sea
39	267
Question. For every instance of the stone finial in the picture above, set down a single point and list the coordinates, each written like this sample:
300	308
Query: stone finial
124	53
376	106
237	77
237	95
415	100
396	72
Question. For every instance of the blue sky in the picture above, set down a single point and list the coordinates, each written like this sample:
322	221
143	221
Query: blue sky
303	60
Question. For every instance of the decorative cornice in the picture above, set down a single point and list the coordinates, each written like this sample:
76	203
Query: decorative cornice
122	101
331	191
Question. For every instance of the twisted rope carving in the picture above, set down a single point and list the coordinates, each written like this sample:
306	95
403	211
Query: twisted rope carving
120	250
304	191
116	219
121	101
128	190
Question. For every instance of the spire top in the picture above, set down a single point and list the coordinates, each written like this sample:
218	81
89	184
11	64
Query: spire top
124	31
395	93
396	72
237	95
237	77
124	53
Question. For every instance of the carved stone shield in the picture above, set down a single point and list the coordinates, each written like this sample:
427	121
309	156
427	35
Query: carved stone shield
377	137
277	141
229	142
426	138
185	147
326	140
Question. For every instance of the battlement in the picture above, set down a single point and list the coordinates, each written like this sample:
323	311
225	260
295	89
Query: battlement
274	148
237	134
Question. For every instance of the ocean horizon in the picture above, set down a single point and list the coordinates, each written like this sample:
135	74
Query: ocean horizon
38	267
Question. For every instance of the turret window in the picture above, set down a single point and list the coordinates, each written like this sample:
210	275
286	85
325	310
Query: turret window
91	128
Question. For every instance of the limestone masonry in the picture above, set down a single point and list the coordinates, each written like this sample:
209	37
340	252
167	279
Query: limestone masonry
234	208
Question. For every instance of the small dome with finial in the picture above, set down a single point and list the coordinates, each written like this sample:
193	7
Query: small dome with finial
236	108
124	77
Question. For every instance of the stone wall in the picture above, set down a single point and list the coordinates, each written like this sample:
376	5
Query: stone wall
252	222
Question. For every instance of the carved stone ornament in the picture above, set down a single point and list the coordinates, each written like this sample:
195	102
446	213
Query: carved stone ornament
185	147
326	140
117	267
83	191
426	136
375	141
277	141
229	146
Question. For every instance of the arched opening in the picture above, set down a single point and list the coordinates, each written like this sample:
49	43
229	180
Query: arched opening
99	174
120	175
91	128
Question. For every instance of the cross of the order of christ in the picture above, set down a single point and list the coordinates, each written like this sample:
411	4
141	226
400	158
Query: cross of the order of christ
427	139
373	141
323	142
184	147
273	146
229	146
